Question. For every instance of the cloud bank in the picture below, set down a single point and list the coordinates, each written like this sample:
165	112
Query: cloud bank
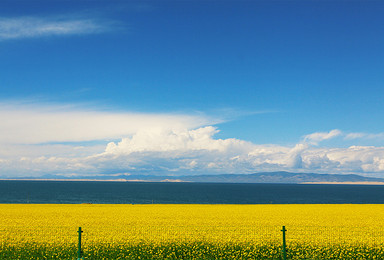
198	151
68	140
32	27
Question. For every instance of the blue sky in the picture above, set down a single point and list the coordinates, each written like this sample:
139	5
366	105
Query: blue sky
271	78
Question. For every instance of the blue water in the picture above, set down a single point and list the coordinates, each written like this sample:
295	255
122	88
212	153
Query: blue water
186	193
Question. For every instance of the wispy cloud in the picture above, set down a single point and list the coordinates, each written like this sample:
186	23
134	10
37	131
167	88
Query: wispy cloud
32	27
352	136
317	137
34	124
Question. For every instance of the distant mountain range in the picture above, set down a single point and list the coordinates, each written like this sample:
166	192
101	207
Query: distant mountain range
261	177
280	177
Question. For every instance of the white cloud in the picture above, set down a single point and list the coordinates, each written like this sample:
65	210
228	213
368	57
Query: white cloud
180	140
156	144
30	27
317	137
197	151
295	159
352	136
29	124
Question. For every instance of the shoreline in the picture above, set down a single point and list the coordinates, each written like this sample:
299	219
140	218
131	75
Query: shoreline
181	181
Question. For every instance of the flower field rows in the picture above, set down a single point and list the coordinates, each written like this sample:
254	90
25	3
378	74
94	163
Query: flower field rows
192	231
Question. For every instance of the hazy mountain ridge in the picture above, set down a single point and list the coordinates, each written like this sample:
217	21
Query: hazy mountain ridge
280	177
262	177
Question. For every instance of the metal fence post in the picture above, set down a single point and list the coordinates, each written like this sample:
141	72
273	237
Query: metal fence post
284	244
79	252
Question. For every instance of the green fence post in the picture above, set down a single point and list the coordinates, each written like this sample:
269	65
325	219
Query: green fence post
79	253
284	244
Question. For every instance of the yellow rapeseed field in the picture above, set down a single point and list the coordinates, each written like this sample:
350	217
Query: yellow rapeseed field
205	231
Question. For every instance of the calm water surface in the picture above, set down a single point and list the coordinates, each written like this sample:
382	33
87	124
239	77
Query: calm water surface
186	193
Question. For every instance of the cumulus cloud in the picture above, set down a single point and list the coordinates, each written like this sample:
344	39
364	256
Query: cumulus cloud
180	140
38	140
295	159
197	151
31	27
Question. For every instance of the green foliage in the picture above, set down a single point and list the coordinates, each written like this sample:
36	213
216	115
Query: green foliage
195	250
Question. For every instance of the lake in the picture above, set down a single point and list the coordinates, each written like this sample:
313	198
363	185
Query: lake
75	192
